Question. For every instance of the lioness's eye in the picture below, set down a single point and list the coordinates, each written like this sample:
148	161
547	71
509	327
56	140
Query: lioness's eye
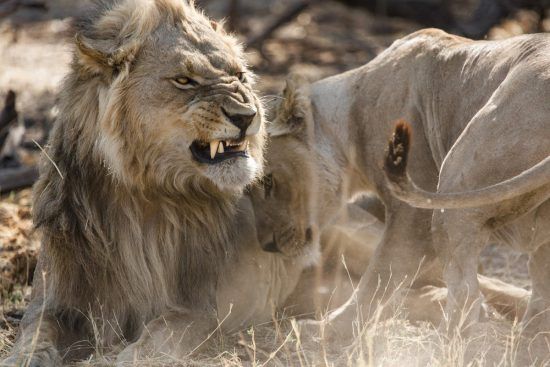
242	76
268	185
184	82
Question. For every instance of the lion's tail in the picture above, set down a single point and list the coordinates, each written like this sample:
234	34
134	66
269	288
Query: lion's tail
395	167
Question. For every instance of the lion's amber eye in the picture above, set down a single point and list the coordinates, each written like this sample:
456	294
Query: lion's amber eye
184	82
242	76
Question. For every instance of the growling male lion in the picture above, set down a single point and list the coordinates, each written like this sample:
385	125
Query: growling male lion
158	133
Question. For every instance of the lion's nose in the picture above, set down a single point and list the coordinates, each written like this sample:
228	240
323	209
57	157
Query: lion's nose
271	246
309	234
241	120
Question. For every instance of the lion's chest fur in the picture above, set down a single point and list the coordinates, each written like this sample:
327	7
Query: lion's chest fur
124	261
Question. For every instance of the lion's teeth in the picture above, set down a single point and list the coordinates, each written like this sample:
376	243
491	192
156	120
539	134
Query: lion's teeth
220	148
242	147
214	148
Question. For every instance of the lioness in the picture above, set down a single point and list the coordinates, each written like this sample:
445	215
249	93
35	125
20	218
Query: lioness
495	180
323	152
159	131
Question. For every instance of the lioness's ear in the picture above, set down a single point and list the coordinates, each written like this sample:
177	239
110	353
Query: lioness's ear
293	114
216	26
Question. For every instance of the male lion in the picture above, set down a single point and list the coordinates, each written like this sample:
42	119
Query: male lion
330	146
158	133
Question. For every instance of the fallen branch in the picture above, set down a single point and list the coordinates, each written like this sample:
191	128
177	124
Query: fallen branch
292	12
487	14
17	178
11	6
234	19
8	117
8	113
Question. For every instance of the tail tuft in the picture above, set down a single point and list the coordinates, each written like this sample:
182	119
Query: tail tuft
395	164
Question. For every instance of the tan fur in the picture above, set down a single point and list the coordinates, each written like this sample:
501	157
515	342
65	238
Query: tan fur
404	187
504	192
133	227
353	114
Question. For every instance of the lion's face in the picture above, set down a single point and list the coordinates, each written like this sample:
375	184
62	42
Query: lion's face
285	200
198	111
182	109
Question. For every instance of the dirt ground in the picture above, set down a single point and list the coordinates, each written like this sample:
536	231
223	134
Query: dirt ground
326	39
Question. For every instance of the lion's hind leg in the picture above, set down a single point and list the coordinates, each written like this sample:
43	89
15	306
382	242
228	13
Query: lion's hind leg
459	250
535	337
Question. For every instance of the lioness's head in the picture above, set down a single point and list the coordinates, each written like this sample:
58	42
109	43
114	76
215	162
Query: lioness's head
285	199
173	97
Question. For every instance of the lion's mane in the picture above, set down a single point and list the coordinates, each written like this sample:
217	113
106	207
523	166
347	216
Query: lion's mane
113	247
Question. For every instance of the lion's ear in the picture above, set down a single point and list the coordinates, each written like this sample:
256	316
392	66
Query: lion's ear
216	25
109	34
293	114
90	56
100	57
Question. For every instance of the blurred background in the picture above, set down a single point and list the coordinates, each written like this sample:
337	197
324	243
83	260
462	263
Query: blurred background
314	37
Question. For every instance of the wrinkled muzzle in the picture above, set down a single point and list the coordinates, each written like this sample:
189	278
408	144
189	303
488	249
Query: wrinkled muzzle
226	126
228	147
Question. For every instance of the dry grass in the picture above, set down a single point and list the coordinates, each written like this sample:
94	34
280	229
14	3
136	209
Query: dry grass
390	342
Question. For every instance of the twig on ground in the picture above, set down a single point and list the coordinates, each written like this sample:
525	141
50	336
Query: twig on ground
17	178
8	116
11	6
292	12
234	19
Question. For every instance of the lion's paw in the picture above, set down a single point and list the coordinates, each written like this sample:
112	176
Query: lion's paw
325	331
48	357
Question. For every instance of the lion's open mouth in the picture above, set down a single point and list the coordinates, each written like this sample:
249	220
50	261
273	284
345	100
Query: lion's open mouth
218	151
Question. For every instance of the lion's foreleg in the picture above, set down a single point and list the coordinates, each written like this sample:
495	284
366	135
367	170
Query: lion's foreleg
170	338
402	257
36	342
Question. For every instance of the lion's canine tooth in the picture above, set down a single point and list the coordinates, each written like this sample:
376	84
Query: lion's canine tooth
220	148
213	148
